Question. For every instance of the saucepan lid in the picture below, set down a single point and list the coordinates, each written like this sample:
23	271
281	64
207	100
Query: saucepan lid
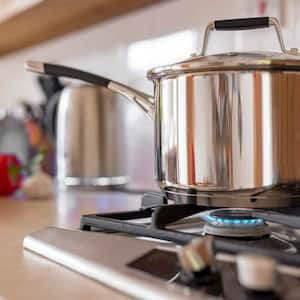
235	61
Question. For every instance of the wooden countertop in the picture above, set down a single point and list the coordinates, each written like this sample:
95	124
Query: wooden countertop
25	275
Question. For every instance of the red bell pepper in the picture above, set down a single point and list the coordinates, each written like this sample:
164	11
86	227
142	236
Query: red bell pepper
10	174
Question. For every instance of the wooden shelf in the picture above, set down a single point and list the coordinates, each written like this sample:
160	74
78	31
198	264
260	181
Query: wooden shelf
29	22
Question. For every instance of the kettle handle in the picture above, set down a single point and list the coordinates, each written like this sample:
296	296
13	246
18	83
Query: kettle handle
246	24
144	101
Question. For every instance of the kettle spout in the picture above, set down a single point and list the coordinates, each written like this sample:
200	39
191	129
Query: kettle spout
144	101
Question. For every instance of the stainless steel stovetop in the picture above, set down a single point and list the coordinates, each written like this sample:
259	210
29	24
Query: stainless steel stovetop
148	268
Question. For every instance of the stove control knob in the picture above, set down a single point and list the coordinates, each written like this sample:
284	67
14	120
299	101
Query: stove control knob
256	273
197	255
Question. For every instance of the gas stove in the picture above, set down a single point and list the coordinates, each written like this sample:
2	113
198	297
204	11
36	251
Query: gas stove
236	232
168	250
180	223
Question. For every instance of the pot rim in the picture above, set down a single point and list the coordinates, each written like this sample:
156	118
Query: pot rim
231	61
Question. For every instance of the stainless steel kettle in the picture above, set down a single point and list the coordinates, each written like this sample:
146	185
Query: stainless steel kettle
90	137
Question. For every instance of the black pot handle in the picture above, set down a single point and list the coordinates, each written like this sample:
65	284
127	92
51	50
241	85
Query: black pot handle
144	101
242	24
246	24
63	71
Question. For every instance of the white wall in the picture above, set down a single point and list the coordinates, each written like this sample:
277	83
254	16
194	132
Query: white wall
103	49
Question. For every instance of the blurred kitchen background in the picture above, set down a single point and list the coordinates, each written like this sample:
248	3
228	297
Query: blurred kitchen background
124	48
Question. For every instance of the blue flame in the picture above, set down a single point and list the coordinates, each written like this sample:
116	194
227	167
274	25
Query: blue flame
233	222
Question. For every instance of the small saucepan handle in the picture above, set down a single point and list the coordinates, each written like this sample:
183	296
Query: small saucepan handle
64	71
144	101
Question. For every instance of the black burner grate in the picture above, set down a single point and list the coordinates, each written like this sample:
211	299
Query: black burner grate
154	207
162	214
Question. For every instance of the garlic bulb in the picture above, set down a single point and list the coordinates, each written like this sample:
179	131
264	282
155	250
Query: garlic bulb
39	185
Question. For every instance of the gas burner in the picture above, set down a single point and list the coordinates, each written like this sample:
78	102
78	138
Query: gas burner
236	222
237	231
180	223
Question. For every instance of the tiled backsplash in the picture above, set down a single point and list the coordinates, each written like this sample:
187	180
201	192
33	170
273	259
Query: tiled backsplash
108	49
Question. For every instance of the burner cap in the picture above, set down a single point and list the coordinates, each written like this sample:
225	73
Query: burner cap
236	222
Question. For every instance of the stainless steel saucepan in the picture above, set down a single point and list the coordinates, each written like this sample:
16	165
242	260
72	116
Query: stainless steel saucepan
227	126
